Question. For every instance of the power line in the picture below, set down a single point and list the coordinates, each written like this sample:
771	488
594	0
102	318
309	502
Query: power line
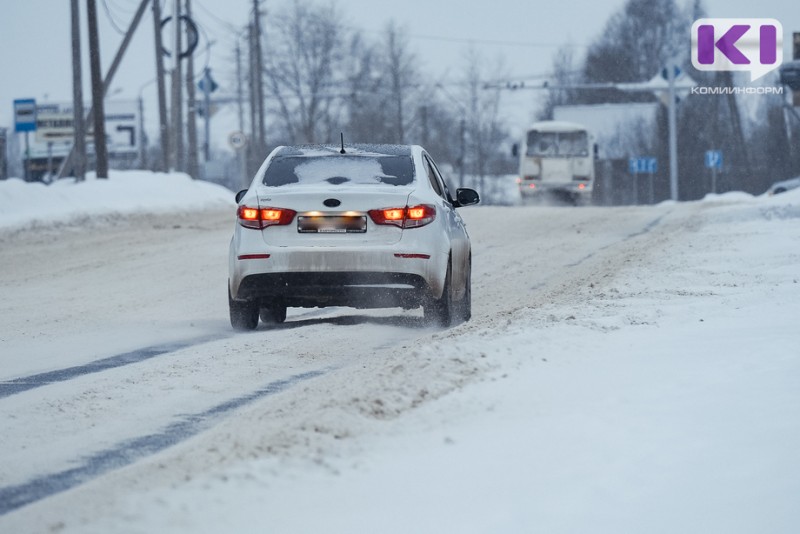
471	40
228	25
111	19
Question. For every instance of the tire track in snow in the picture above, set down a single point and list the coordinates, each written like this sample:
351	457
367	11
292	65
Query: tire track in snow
131	450
646	229
18	385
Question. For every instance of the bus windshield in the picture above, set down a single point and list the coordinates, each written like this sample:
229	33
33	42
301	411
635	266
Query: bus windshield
557	144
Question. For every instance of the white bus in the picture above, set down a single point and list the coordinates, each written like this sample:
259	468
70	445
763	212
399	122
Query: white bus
557	158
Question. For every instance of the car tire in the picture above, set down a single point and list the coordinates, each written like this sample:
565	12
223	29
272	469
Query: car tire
465	304
244	315
779	190
439	312
275	313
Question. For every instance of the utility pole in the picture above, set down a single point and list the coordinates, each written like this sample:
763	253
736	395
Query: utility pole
3	162
253	92
79	129
207	87
672	114
100	148
423	111
142	136
112	70
239	93
462	150
259	79
163	119
241	152
177	93
192	166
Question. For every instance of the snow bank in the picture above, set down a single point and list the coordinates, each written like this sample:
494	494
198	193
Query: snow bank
25	204
649	385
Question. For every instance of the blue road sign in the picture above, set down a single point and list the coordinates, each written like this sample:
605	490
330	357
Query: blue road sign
207	81
643	165
25	115
714	159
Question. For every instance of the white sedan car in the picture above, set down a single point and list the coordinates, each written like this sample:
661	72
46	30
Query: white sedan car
365	226
783	186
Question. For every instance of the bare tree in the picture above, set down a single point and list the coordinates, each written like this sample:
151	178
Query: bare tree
305	43
365	104
399	69
637	42
566	72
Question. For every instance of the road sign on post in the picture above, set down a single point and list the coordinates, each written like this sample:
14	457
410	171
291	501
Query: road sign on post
713	160
639	165
643	165
25	121
237	140
25	115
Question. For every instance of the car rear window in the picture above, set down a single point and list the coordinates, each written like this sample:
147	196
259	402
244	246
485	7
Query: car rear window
340	170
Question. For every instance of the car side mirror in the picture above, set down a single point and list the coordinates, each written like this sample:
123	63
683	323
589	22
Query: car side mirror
240	195
466	197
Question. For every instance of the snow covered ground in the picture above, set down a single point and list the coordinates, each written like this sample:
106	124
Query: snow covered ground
630	369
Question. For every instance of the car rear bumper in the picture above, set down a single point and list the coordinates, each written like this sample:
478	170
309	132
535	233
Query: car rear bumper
370	277
355	289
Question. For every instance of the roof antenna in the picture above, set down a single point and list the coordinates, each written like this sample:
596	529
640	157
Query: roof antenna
342	150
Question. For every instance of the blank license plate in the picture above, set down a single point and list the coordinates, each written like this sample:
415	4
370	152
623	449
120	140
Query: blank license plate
339	224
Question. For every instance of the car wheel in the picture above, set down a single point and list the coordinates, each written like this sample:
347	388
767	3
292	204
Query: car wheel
244	315
275	313
780	190
439	311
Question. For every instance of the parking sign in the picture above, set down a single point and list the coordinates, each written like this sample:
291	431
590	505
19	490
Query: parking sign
714	159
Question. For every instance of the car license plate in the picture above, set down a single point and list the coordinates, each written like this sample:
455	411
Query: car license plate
332	224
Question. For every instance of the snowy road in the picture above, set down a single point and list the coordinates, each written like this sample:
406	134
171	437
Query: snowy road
120	371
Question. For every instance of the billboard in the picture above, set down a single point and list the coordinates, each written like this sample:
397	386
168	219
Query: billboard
55	130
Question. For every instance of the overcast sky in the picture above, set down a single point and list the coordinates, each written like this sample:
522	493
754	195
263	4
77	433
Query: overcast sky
36	55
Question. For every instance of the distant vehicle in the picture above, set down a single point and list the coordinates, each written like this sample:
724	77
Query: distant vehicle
556	158
783	186
366	226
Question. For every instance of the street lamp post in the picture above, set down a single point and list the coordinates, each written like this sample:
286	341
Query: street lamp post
462	134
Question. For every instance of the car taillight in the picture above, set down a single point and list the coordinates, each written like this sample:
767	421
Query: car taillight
407	217
259	218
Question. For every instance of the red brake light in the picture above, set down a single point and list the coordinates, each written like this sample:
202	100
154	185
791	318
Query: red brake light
394	214
258	218
407	217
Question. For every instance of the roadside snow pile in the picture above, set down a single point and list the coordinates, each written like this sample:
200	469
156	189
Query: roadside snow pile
25	204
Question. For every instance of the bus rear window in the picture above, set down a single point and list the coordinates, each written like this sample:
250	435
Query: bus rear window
557	144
